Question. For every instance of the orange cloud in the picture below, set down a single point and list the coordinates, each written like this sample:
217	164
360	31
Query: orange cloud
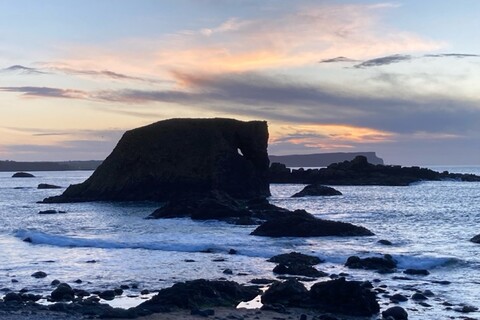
327	136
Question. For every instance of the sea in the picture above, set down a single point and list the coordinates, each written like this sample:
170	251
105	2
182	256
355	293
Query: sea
102	245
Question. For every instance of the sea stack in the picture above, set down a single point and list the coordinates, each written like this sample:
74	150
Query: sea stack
175	157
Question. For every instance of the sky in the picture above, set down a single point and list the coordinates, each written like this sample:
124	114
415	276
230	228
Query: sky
400	78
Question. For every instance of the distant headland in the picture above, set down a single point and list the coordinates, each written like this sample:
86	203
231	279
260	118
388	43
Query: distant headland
295	160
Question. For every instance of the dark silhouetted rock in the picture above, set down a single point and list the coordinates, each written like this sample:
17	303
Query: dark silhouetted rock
476	239
50	211
203	206
419	272
107	295
299	270
397	313
23	175
295	258
384	264
199	294
398	298
419	296
290	293
39	274
62	292
302	224
48	186
359	172
385	242
12	296
181	156
346	297
317	190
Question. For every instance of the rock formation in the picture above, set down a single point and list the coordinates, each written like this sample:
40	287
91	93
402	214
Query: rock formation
360	172
317	190
180	156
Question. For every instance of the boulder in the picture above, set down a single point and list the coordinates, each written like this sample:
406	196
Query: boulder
48	186
346	297
202	206
302	224
317	190
418	272
39	274
397	313
290	293
299	270
23	175
62	292
180	156
295	258
384	264
197	294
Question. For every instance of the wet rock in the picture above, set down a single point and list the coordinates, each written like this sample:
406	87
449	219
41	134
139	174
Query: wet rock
181	156
50	211
228	271
398	298
302	224
78	281
384	264
419	296
62	292
395	313
118	291
203	206
466	309
317	190
262	281
12	296
107	295
290	293
232	251
39	274
145	291
23	175
200	294
418	272
295	258
55	282
346	297
385	242
299	269
48	186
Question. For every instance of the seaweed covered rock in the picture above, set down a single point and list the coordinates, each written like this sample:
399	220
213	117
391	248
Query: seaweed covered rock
180	156
303	224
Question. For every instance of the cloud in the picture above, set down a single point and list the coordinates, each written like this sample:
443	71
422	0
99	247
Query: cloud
452	55
22	70
396	58
338	59
102	73
285	99
31	91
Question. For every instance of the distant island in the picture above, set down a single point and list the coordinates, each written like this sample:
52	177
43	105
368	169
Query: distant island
296	160
323	159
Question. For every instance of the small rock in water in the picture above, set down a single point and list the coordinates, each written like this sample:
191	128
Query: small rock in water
39	274
91	261
385	242
51	211
23	175
419	296
476	239
118	291
232	251
397	313
78	281
145	291
62	292
419	272
55	282
228	271
466	309
107	295
48	186
14	280
398	298
27	239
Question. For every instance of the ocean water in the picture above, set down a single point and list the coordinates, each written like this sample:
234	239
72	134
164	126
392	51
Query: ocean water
429	223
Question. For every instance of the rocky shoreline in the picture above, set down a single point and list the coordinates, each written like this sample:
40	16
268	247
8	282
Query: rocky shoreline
298	289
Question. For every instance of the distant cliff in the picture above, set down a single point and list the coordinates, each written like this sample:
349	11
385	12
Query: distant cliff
323	159
49	166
